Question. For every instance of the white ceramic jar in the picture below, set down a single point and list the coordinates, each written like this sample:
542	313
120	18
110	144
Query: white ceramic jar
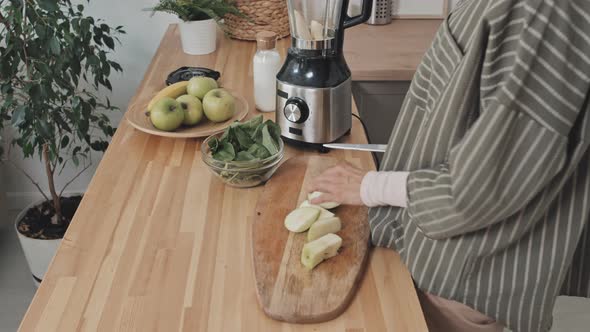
198	37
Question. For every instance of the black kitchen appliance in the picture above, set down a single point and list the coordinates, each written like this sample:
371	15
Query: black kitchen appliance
314	86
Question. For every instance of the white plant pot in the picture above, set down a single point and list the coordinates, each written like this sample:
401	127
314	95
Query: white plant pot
38	252
198	37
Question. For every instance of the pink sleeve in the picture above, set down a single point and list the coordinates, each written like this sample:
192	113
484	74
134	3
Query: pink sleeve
384	188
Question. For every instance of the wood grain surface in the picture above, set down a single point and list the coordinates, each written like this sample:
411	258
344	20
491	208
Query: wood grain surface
159	244
286	290
136	117
389	52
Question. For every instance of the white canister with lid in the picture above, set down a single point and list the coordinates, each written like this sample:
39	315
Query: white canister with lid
266	65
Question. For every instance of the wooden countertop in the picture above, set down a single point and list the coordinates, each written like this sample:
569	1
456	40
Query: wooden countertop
158	243
388	52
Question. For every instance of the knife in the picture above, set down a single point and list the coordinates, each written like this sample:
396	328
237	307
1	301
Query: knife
358	147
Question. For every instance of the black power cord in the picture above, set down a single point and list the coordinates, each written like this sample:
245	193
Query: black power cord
375	160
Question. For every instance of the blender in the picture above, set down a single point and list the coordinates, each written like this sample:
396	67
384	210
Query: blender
314	93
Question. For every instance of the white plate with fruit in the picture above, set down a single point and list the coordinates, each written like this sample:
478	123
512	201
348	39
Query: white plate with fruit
195	108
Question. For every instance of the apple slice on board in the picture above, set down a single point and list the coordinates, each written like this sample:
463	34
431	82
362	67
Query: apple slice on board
318	250
299	220
322	227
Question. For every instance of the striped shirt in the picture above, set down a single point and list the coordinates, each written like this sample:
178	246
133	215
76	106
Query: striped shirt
495	133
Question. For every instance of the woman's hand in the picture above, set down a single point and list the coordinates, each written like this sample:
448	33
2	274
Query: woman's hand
340	184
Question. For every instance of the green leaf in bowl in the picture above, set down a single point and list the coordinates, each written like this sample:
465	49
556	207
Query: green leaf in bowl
213	144
245	156
259	151
225	152
268	142
250	126
244	141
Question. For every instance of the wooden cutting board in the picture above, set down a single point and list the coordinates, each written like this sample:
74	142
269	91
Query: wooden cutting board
285	289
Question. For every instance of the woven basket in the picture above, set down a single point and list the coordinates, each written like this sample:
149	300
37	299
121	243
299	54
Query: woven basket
269	15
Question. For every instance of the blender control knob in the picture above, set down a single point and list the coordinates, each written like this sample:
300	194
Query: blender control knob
296	110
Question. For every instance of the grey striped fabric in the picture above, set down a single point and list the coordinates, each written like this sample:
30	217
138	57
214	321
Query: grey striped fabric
495	134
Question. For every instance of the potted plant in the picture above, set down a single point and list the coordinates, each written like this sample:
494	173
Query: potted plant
53	60
198	32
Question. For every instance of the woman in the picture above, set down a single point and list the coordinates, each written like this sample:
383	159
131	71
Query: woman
485	188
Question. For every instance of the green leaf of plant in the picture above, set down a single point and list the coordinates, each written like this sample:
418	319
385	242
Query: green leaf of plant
44	129
92	60
243	138
75	102
99	146
65	141
84	26
49	5
97	40
18	116
245	156
251	125
109	42
275	130
213	144
257	134
197	10
43	68
268	141
227	134
41	30
259	151
225	153
116	66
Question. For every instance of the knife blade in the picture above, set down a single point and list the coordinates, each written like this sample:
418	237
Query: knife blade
357	147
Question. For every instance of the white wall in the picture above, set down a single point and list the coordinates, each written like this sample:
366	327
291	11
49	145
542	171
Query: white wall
138	46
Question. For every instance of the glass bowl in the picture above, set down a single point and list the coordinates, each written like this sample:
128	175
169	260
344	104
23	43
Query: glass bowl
241	174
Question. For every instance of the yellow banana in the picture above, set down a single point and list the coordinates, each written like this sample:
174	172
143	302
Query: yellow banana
173	91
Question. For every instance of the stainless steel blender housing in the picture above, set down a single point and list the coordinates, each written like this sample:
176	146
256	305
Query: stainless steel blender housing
314	97
314	115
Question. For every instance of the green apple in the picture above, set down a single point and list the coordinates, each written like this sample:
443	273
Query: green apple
193	109
167	114
219	105
199	86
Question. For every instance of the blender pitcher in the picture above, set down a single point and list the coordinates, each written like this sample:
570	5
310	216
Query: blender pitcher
314	20
320	20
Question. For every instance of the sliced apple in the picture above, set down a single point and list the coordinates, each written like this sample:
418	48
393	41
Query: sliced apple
322	227
318	250
325	205
301	27
323	212
299	220
317	30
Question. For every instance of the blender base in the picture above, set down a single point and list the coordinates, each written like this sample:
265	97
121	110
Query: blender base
314	146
